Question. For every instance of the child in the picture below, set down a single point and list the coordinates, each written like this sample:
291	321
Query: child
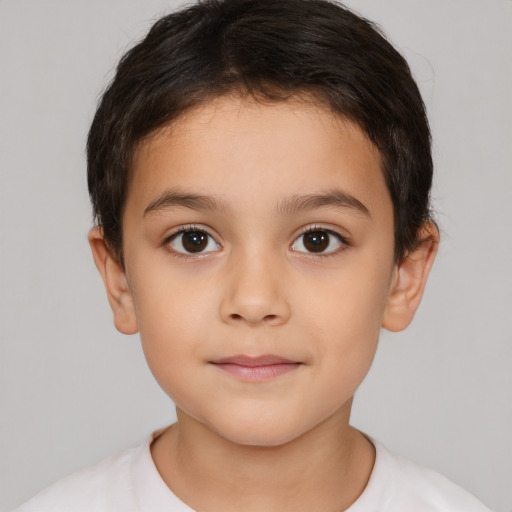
260	175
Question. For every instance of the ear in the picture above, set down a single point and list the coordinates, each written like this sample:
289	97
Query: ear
116	283
409	280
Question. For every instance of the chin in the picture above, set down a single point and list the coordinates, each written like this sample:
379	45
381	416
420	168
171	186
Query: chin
263	432
262	440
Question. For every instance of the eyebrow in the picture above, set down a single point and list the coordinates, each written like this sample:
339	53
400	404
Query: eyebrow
287	207
172	198
336	198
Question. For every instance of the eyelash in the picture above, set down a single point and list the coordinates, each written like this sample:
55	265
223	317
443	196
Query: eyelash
186	229
345	242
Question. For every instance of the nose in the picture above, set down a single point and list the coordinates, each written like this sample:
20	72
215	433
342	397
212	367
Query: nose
254	292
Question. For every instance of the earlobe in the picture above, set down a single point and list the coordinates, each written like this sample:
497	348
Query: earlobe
410	279
116	283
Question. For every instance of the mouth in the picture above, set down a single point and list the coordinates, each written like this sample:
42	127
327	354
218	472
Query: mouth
256	369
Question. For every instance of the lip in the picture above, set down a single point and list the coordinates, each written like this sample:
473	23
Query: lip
256	369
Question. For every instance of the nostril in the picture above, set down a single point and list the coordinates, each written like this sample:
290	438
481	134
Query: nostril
267	318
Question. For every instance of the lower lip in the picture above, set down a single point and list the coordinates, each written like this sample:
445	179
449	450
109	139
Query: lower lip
257	373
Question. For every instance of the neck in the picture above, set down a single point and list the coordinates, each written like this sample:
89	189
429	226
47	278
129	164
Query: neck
326	468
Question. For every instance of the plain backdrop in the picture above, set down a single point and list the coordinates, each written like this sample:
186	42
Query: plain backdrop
73	390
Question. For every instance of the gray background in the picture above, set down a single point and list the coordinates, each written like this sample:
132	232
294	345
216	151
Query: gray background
73	390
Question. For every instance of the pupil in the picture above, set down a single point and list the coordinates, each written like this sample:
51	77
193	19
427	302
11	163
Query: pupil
316	241
195	241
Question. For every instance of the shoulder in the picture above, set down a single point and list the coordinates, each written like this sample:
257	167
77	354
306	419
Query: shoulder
104	486
404	486
432	488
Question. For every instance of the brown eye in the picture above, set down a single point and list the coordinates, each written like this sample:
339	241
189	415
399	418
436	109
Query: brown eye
320	241
316	241
193	242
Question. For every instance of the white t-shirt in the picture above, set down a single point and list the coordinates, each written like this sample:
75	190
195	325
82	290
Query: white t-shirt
130	482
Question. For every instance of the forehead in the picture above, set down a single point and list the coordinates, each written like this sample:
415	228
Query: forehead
235	148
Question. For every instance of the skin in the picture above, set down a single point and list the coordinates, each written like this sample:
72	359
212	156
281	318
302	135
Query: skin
283	443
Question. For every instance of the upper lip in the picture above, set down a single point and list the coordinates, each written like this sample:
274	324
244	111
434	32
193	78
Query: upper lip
252	361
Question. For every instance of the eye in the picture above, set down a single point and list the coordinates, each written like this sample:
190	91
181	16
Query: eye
319	241
192	241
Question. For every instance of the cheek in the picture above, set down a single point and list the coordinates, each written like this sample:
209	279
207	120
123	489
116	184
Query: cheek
171	314
346	334
169	302
349	306
344	316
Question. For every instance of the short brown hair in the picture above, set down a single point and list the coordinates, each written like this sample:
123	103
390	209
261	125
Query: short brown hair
270	50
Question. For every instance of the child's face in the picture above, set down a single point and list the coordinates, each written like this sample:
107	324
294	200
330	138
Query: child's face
247	282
